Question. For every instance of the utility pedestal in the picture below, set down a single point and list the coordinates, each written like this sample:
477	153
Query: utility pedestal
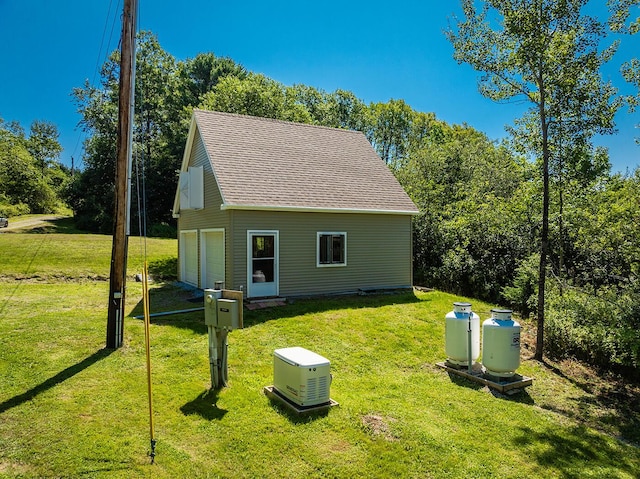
222	313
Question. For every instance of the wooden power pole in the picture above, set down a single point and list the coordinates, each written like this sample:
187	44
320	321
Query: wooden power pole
117	275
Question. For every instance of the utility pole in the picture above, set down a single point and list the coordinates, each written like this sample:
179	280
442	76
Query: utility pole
118	272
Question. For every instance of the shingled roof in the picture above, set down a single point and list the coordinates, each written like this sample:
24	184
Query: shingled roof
261	163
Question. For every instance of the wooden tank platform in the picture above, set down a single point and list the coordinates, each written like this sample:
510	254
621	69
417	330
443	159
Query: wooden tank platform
510	385
273	394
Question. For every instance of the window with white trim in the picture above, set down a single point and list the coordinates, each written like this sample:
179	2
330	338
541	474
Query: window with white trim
332	249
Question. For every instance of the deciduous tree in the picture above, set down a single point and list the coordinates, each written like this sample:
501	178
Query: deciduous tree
256	95
389	127
24	186
43	143
546	52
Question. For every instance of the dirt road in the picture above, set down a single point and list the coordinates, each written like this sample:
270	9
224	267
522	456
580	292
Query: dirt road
39	220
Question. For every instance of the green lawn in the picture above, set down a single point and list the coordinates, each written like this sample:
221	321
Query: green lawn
69	408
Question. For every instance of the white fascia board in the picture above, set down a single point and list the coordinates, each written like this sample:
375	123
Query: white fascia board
208	153
185	163
193	128
309	209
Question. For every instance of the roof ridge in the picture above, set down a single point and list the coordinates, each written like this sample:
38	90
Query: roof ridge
275	120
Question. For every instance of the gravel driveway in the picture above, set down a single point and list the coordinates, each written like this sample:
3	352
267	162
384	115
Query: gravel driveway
30	223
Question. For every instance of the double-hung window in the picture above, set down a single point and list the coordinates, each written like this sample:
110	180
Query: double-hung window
332	249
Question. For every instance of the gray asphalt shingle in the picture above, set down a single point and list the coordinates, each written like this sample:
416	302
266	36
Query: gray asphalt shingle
262	162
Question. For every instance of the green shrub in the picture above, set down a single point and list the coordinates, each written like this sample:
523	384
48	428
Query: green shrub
164	269
522	295
162	230
600	327
7	210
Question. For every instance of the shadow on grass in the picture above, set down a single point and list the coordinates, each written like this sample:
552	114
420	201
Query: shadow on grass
62	225
613	402
295	418
172	298
576	450
299	307
205	405
625	417
517	395
55	380
464	382
164	269
92	472
176	299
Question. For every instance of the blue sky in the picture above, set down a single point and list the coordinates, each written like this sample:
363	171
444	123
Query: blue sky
377	50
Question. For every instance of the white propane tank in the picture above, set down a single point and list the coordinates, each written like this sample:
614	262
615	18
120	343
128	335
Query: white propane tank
500	344
456	334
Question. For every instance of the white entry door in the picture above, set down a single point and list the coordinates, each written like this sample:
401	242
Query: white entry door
262	263
212	257
189	257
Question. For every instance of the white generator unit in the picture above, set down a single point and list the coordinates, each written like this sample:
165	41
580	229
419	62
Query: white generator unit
301	376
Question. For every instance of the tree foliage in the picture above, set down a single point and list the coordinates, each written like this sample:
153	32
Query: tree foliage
31	179
475	223
597	316
622	21
165	92
484	206
546	52
43	143
389	129
256	95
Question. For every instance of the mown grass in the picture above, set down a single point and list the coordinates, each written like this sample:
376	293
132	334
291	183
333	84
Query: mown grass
69	255
69	408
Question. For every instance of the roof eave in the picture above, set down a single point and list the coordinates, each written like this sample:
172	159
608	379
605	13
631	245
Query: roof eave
312	209
184	164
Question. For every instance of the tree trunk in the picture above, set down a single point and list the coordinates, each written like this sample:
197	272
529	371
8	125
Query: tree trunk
561	231
544	234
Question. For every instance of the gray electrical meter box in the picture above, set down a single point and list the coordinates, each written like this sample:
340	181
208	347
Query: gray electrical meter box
211	297
222	313
228	316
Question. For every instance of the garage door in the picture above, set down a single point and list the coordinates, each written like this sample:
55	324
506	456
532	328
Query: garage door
212	242
189	257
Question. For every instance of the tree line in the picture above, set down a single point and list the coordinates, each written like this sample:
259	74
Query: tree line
481	218
166	93
32	180
537	222
551	54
